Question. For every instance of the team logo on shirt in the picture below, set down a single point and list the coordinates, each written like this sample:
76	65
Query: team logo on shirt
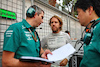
23	27
9	33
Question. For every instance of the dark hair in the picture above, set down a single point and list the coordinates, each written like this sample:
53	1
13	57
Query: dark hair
67	31
59	19
85	4
37	9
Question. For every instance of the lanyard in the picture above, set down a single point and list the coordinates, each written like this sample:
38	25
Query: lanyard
35	38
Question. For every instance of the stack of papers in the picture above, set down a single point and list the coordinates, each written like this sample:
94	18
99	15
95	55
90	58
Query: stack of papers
34	59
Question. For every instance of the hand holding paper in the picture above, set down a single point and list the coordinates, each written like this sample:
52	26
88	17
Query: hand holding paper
44	55
61	52
57	54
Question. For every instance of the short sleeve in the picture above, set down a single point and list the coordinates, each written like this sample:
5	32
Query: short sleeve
11	39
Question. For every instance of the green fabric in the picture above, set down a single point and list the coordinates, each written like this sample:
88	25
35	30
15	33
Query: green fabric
19	40
91	56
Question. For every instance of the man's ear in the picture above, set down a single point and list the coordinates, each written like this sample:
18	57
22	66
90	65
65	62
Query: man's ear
35	14
60	25
90	10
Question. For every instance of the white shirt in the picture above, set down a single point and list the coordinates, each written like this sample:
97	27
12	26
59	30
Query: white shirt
55	40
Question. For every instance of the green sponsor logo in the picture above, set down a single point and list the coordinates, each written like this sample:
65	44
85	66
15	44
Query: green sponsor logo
7	14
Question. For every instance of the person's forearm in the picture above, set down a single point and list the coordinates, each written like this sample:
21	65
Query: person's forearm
17	63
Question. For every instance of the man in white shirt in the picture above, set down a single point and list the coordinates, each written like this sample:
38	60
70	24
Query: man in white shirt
57	38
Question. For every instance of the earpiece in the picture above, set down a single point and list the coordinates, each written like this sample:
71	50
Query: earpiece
30	12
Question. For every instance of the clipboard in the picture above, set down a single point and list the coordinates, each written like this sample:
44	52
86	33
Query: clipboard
34	59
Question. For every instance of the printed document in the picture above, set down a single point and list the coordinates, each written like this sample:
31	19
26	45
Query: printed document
61	53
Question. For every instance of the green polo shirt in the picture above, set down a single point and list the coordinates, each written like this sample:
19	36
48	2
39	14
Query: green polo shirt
91	56
19	40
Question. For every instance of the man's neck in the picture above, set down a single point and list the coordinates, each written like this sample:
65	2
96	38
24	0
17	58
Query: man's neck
94	17
30	22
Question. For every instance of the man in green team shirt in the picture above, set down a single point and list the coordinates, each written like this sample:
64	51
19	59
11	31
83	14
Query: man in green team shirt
89	16
21	39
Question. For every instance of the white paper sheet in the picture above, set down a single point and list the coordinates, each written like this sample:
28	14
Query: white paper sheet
61	52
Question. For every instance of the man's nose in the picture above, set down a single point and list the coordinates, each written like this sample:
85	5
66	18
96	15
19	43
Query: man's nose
53	23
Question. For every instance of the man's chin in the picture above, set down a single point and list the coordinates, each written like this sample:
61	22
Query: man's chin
38	25
54	31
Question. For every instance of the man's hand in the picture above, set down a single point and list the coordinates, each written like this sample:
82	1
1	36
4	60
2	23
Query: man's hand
44	55
63	62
